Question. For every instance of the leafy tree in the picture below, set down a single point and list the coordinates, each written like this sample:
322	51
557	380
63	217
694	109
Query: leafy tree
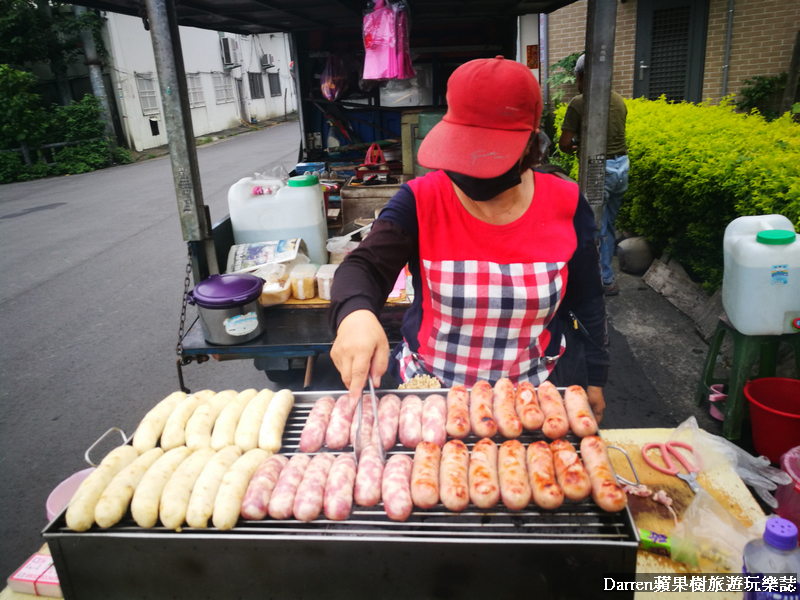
22	118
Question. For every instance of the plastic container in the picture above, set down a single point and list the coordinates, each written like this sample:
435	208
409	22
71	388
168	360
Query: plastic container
788	496
228	308
303	278
776	552
774	414
294	211
761	281
63	492
325	280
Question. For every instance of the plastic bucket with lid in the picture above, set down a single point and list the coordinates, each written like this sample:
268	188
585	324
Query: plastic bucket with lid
788	496
775	414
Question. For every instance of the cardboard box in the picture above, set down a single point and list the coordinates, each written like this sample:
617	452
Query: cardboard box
24	579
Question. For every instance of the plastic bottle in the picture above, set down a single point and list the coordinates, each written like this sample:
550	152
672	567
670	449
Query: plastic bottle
776	552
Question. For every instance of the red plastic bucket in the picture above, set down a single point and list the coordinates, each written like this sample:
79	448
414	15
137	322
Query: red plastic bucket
775	415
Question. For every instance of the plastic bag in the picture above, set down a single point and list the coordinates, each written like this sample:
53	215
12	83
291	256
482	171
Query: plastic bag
334	78
712	450
385	35
344	244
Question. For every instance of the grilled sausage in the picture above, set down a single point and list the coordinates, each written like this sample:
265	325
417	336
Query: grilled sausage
547	493
368	477
282	501
434	419
367	422
570	474
175	498
425	475
458	412
505	415
527	407
228	503
388	418
396	487
339	488
454	476
313	435
605	490
115	498
480	410
224	433
515	491
80	513
311	491
484	487
410	428
338	434
275	417
149	430
174	433
147	497
259	490
579	413
555	416
249	425
200	424
204	493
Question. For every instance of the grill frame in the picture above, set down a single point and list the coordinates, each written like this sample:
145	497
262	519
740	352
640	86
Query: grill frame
435	554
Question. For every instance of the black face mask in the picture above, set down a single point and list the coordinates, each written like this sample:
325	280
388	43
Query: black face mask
481	190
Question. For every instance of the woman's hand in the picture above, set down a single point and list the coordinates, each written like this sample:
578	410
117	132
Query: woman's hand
596	401
360	350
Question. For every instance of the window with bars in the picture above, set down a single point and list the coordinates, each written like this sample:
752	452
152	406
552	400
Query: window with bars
274	84
145	83
223	88
195	86
256	85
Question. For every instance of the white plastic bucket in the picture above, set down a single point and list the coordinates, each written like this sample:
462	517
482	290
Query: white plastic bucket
761	281
293	211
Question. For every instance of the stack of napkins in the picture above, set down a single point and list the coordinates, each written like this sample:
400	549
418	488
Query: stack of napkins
37	576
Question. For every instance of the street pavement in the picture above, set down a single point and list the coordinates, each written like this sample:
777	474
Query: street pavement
93	273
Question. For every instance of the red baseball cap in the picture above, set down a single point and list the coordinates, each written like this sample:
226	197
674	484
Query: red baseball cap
493	106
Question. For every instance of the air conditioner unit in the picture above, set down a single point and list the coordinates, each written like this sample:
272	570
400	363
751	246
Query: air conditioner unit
230	52
266	62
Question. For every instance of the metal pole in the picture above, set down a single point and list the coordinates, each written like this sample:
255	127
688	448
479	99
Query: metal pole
600	30
166	39
544	62
728	37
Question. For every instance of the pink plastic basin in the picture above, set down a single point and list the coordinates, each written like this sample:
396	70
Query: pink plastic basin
63	492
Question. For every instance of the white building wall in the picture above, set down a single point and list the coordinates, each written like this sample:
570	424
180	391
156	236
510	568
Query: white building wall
131	53
528	27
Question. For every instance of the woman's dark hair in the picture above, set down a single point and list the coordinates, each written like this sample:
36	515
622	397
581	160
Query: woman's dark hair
536	155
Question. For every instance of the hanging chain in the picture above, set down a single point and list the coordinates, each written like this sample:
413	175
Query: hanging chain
186	283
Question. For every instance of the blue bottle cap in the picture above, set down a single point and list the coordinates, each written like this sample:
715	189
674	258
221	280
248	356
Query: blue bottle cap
781	533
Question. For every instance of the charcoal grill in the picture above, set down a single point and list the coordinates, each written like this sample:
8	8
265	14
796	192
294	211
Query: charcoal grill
477	553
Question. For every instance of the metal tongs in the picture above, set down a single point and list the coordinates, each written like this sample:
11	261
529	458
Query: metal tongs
358	446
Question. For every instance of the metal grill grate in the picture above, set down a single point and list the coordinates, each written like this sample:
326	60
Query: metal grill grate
670	47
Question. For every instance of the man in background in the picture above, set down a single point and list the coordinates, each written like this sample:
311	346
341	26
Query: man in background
617	166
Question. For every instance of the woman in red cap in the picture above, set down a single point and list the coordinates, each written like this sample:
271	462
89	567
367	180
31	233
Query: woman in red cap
503	258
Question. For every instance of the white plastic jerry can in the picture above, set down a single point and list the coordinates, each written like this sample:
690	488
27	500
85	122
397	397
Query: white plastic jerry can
761	281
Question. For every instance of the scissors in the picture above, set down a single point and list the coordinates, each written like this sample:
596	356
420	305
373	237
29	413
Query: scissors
668	450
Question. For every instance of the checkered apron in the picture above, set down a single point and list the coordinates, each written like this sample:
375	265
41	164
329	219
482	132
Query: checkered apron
486	319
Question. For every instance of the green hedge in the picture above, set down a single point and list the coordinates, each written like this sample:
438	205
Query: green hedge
695	168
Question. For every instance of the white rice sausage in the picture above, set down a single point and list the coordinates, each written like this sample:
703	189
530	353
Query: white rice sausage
224	433
505	414
579	413
480	410
606	492
555	415
457	425
515	489
547	493
368	477
80	513
201	423
174	433
274	423
338	434
175	498
116	497
388	419
570	474
410	426
149	430
310	495
527	407
282	501
484	486
259	490
396	487
434	420
147	497
425	474
228	503
339	488
313	435
204	493
454	476
249	425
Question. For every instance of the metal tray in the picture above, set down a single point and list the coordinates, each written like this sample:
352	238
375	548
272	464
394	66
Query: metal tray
434	554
